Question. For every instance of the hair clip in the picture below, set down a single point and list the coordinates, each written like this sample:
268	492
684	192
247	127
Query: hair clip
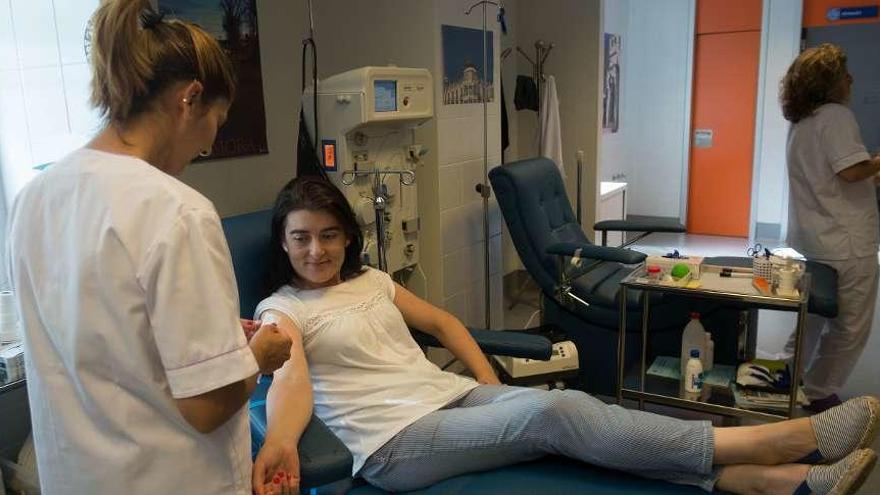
150	19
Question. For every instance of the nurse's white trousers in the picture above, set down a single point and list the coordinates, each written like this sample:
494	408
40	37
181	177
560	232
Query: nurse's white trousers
832	346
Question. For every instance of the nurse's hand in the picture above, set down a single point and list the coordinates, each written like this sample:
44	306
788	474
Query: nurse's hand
271	347
276	469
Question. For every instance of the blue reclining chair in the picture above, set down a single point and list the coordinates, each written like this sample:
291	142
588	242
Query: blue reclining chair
583	302
326	462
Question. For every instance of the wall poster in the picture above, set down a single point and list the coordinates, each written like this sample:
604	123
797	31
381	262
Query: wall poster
463	65
234	24
611	86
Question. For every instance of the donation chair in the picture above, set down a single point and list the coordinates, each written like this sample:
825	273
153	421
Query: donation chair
582	300
325	463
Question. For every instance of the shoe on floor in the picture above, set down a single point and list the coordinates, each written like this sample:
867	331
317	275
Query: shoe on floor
843	477
844	428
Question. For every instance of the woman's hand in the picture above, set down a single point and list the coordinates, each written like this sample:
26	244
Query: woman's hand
488	379
250	327
276	469
271	347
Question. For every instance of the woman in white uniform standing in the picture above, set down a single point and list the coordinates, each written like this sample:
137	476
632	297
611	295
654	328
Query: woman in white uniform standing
138	366
832	215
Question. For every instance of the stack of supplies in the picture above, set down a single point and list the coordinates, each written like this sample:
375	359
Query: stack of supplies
764	384
11	363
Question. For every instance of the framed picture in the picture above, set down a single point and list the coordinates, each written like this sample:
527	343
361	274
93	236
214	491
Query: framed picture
463	66
234	24
611	86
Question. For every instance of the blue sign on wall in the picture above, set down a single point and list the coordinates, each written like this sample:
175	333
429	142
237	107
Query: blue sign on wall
849	13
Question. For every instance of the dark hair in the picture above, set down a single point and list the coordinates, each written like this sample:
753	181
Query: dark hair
313	194
811	81
136	54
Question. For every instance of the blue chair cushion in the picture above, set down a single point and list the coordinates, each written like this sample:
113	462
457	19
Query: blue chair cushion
547	476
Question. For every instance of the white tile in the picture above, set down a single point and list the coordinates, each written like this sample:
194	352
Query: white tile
15	148
450	186
471	175
477	300
44	101
496	219
71	19
83	118
496	297
462	268
457	305
495	256
52	147
35	35
8	54
459	140
461	226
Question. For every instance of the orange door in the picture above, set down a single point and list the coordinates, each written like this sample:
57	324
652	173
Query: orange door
724	97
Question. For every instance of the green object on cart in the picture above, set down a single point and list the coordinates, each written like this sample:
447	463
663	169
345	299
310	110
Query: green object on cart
680	270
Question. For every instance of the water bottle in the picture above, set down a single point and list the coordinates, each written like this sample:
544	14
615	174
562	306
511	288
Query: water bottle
693	337
693	383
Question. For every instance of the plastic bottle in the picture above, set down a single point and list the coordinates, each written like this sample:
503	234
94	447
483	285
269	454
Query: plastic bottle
693	375
693	337
709	358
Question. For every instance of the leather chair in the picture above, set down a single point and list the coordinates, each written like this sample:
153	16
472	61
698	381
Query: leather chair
582	301
325	463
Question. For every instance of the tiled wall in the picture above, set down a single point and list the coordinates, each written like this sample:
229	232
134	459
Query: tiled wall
460	162
44	78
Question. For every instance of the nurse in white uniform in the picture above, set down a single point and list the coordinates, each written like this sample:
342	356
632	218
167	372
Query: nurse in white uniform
138	367
833	215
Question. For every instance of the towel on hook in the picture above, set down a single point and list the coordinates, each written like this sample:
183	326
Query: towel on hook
551	130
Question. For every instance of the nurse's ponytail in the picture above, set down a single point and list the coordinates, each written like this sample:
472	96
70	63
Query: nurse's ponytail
136	54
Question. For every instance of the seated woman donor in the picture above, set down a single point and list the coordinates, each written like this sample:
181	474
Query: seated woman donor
408	424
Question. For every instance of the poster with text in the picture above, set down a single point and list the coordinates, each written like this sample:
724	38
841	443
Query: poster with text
234	24
611	86
463	66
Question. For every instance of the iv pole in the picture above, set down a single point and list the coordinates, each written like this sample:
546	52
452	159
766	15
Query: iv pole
483	188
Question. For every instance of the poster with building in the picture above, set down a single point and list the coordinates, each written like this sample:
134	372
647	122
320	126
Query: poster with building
611	86
234	24
463	66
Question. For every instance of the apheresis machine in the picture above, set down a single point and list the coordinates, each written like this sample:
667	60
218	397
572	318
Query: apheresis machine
366	145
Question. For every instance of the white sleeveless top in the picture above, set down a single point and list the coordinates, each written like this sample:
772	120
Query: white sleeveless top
370	378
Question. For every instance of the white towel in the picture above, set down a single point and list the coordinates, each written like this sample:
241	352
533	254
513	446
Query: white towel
551	130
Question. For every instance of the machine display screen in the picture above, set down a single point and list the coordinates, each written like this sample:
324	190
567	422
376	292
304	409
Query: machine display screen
386	95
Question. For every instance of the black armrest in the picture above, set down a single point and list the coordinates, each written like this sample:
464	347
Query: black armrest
659	225
323	458
625	256
499	342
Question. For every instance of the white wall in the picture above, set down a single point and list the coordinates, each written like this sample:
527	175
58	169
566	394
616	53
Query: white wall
780	44
652	144
574	26
614	152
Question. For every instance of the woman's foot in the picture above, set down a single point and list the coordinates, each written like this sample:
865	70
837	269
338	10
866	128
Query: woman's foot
844	428
843	477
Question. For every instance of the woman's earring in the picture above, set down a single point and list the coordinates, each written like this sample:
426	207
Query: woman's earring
205	153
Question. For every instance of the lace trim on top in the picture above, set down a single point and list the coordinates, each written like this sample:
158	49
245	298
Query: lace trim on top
317	323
